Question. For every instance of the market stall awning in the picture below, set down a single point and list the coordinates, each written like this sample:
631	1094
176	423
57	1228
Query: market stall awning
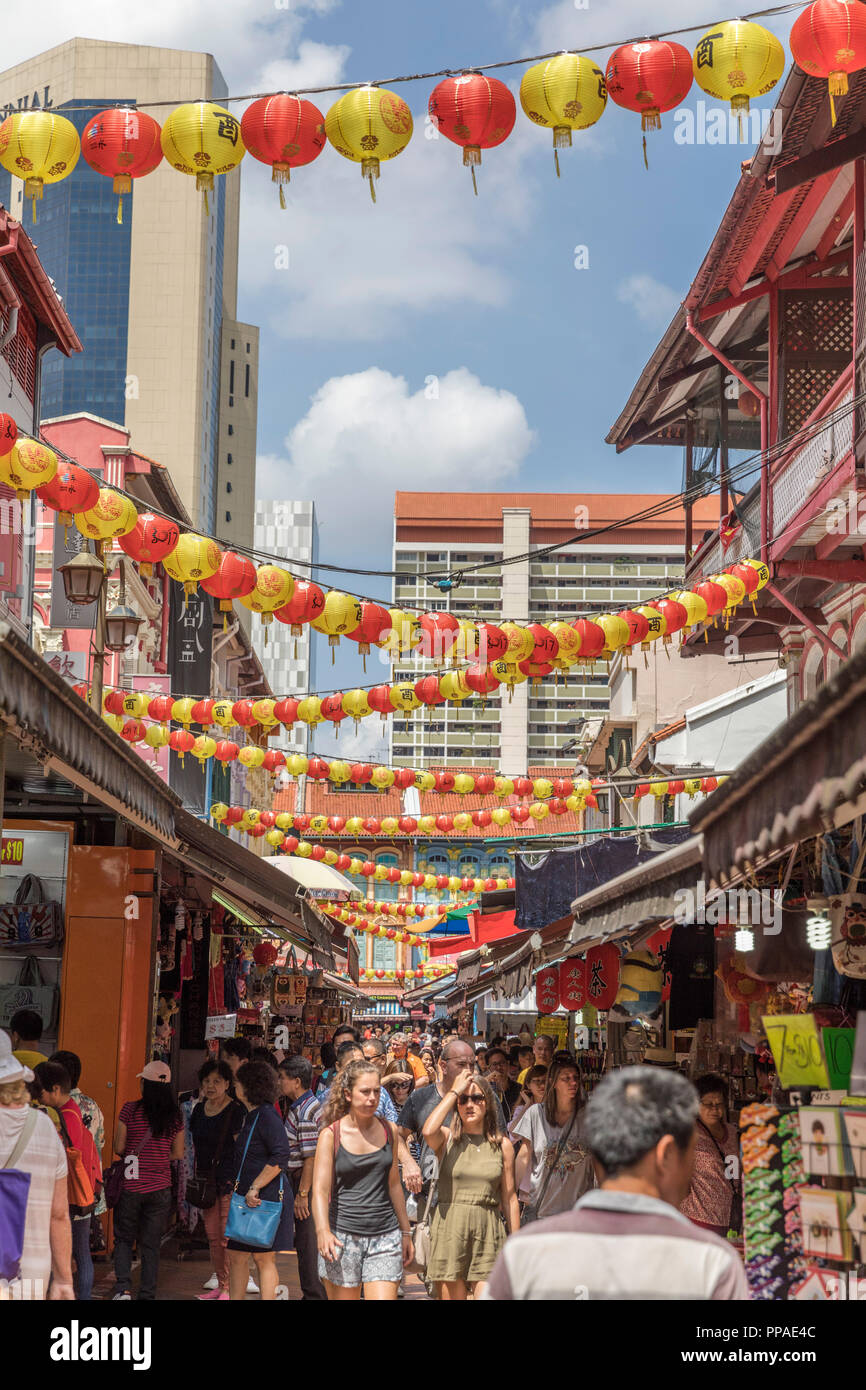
318	877
644	895
808	777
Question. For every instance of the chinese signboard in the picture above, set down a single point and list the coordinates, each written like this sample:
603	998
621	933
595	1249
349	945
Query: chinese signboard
190	627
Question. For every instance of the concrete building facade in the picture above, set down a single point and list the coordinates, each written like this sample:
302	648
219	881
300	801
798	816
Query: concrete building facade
155	297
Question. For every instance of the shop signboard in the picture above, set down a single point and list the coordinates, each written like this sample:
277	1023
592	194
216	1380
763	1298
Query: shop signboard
220	1026
602	976
547	990
572	983
12	851
555	1028
190	628
68	542
796	1047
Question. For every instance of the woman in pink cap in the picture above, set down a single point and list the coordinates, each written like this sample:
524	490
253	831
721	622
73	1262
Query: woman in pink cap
149	1135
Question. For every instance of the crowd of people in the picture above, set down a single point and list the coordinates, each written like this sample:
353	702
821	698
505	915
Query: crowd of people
484	1168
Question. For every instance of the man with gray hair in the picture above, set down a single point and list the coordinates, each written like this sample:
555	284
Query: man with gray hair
627	1239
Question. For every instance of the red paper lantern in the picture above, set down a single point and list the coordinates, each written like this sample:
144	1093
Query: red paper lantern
563	787
642	789
202	713
438	635
390	934
290	844
520	814
481	819
441	881
393	875
318	853
409	825
428	692
372	826
708	784
8	436
404	777
572	983
273	760
490	885
332	708
713	595
547	990
466	885
522	786
361	773
747	574
545	648
592	638
114	702
674	614
379	700
343	862
475	112
484	784
380	974
152	538
235	578
638	626
284	131
306	603
123	144
133	731
242	714
257	831
602	976
234	814
829	40
444	782
338	825
373	628
265	954
286	710
318	769
302	822
492	643
181	741
481	680
557	806
649	77
226	751
417	880
267	819
70	490
676	788
445	824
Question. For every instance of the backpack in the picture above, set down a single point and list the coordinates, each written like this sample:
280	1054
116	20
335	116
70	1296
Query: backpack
80	1190
14	1193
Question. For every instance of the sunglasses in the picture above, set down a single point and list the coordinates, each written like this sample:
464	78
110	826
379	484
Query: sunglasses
475	1098
400	1085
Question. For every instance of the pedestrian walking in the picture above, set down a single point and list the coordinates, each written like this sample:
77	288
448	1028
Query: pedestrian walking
358	1204
476	1198
261	1156
627	1239
555	1158
302	1131
54	1086
713	1199
30	1143
214	1126
148	1137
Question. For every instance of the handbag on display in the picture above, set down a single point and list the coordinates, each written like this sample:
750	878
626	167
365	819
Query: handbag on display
30	920
253	1225
29	991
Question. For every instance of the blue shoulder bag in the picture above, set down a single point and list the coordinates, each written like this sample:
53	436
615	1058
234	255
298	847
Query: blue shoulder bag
253	1225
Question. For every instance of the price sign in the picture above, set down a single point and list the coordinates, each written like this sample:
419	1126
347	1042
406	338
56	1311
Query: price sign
220	1026
796	1048
11	851
839	1051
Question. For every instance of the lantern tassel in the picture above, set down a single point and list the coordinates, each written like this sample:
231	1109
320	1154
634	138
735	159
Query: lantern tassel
556	162
120	210
282	198
645	160
474	181
206	204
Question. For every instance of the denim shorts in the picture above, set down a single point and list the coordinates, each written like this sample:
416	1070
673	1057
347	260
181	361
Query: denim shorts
364	1259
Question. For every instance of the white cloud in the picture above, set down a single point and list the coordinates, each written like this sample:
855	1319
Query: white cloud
316	65
366	435
653	302
368	745
574	25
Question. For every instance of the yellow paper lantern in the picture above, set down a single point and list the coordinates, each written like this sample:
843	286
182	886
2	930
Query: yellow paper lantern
464	783
263	713
222	713
202	139
564	93
28	465
275	837
382	778
250	817
692	787
582	786
114	721
219	811
284	821
453	686
380	873
427	826
368	125
568	641
733	587
509	675
462	822
310	711
542	788
356	864
615	629
575	804
501	816
657	625
466	645
318	825
503	786
520	644
389	825
203	748
340	773
110	516
181	711
539	810
157	736
341	614
274	588
453	885
355	826
304	849
404	633
737	60
403	697
356	705
694	606
251	756
135	705
502	884
330	857
39	148
425	781
763	572
406	877
297	764
193	558
659	789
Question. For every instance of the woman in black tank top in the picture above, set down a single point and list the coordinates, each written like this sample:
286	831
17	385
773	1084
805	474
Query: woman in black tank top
358	1203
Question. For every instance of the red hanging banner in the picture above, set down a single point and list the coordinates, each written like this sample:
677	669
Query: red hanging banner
572	983
602	976
547	990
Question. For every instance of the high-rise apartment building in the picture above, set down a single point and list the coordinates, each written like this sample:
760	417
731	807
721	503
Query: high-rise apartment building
154	298
624	566
289	530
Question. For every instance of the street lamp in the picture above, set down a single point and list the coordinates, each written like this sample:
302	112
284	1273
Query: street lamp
83	576
85	581
121	628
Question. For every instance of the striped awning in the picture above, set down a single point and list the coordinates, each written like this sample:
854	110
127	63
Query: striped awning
383	1008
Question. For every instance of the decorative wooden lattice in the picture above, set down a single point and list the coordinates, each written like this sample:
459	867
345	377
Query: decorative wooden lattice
816	345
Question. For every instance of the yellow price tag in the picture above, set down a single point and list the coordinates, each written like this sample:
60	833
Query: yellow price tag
796	1046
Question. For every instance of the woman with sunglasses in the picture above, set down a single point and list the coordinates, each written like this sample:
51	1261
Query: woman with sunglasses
475	1184
555	1159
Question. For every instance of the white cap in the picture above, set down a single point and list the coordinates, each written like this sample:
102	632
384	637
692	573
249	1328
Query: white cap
10	1068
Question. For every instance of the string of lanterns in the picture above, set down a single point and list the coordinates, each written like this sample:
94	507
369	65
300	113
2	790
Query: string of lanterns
735	61
276	824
